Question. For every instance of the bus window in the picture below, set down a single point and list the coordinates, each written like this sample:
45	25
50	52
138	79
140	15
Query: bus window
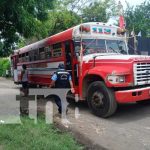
36	55
48	52
31	56
14	62
41	53
91	46
23	57
27	57
57	50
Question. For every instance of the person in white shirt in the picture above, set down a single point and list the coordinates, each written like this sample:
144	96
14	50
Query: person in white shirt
24	79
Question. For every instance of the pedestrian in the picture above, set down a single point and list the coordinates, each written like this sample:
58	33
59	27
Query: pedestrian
24	80
61	79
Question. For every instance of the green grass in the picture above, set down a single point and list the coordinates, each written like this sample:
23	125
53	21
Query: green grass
30	136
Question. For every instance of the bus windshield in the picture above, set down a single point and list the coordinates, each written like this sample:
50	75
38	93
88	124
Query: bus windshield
91	46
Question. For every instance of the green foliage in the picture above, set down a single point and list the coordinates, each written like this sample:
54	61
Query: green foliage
21	42
21	17
59	19
40	136
97	11
138	18
4	65
64	15
63	20
26	21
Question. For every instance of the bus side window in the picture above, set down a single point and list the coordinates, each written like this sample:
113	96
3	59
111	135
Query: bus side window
48	52
27	57
30	56
41	53
57	50
23	57
36	55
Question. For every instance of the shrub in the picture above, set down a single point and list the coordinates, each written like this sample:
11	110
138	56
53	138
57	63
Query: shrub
4	65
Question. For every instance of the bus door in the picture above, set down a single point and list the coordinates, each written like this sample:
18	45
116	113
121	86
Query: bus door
71	65
68	59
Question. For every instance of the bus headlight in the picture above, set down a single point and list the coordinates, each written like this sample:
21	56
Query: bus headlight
116	79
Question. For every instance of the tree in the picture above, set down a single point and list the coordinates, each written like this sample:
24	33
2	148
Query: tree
138	18
26	21
63	20
59	19
97	11
20	18
68	13
4	65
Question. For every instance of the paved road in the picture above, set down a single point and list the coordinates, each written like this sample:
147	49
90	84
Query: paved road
128	129
9	107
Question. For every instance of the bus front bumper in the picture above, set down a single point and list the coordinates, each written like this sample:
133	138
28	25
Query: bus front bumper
132	95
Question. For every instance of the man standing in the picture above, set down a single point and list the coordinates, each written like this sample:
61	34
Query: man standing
61	79
24	80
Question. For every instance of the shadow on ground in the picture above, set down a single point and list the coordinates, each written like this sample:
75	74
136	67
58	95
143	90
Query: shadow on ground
125	112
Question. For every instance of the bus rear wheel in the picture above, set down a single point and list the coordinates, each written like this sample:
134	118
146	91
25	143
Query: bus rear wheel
101	99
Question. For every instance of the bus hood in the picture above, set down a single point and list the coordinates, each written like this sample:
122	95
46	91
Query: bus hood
114	57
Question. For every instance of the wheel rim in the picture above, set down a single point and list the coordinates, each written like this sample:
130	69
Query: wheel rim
97	100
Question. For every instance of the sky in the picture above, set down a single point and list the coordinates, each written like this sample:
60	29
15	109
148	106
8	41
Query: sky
131	2
113	20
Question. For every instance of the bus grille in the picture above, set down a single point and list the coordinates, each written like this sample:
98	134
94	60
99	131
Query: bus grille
141	73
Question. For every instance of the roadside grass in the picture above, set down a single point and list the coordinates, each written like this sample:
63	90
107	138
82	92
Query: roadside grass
40	136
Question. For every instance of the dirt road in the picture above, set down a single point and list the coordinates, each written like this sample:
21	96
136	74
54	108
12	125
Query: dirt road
128	129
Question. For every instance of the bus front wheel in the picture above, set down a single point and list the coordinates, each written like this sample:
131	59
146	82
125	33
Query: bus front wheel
101	99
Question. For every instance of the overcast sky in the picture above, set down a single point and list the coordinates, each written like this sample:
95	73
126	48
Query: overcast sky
131	2
113	20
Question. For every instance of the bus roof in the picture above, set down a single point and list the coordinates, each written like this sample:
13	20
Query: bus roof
69	34
59	37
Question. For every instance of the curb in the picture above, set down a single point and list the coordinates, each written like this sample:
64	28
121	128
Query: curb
80	138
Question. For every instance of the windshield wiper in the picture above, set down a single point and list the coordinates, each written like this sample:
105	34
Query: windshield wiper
114	50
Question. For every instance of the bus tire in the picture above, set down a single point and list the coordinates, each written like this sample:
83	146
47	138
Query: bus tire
101	99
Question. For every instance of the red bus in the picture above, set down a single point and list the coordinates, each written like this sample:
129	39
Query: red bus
96	55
